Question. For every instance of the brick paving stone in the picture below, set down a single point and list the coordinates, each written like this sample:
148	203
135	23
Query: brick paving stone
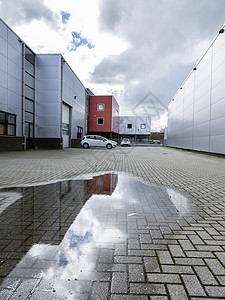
221	257
176	251
177	292
151	264
209	248
128	297
127	259
175	269
189	261
159	298
196	240
145	238
205	275
163	278
201	254
215	266
186	245
165	257
136	273
221	279
192	242
193	285
141	252
111	267
100	290
119	283
133	244
120	249
147	289
216	291
205	298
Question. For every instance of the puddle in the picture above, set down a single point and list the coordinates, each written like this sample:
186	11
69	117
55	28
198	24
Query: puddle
64	235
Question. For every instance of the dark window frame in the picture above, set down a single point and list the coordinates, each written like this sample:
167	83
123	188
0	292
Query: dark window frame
98	121
6	123
129	126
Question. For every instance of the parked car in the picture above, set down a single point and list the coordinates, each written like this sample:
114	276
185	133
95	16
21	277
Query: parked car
125	142
97	141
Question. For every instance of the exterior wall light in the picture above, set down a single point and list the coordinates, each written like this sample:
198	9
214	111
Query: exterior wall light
221	30
75	97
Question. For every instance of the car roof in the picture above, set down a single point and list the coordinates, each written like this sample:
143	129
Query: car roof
87	135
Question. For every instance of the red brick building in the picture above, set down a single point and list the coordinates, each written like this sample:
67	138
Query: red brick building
103	116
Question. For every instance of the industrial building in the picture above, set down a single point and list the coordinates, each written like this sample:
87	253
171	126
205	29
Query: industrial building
196	114
137	128
42	101
44	105
103	116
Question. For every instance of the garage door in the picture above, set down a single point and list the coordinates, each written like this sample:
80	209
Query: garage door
65	125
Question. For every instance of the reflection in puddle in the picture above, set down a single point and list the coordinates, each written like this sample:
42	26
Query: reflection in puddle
63	236
7	198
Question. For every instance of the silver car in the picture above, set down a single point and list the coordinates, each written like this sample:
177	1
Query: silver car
125	142
97	141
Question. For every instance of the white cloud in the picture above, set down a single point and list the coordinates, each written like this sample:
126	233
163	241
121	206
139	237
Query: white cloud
20	12
139	46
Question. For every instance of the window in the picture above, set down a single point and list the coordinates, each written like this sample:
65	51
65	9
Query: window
100	138
7	123
117	124
100	121
101	107
143	126
129	126
117	113
29	55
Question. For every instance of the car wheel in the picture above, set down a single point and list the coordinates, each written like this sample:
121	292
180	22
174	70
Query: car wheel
85	145
109	146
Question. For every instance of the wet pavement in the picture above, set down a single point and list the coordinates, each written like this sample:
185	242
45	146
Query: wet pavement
112	236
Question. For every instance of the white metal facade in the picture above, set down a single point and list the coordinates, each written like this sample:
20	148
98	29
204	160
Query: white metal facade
34	89
58	90
48	96
196	115
134	125
11	74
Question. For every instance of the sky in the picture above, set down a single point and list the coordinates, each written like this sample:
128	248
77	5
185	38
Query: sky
140	51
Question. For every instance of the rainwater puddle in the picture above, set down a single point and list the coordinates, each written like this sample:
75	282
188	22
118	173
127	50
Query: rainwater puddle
64	238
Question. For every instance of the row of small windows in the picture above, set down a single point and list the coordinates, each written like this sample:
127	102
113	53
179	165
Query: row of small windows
130	126
7	123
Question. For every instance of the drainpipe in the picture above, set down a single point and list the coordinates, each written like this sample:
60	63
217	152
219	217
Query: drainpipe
23	95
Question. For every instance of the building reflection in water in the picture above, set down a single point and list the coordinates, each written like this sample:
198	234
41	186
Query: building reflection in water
42	214
62	233
103	185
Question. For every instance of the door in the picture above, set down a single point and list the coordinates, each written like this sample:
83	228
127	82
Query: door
100	141
29	133
66	125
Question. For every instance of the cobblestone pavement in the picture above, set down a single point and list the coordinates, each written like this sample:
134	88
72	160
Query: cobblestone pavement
179	255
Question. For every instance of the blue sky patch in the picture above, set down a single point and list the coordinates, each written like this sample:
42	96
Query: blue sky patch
78	41
65	16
